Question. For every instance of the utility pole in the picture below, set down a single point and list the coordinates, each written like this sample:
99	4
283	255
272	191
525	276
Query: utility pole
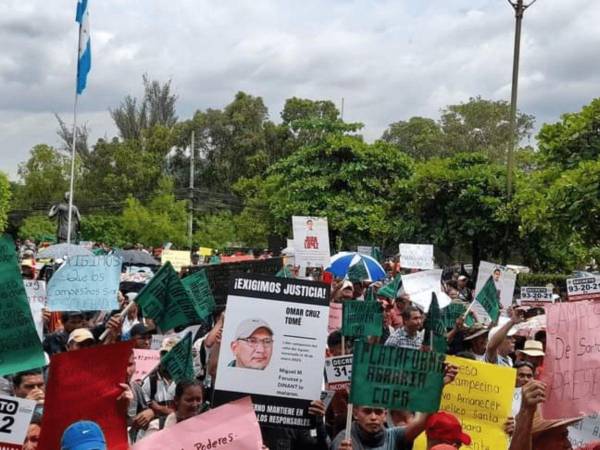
342	110
519	6
191	206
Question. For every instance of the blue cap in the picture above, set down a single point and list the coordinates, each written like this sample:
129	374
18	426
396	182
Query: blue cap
83	435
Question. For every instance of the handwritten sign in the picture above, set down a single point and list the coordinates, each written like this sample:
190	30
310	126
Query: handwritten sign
36	295
338	372
20	346
15	415
416	256
535	295
177	258
586	288
145	362
420	285
85	283
572	361
335	317
480	397
360	318
586	431
232	426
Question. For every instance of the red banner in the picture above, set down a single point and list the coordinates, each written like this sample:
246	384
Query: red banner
84	385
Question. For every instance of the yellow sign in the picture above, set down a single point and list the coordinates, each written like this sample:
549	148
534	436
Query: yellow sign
177	258
205	251
481	398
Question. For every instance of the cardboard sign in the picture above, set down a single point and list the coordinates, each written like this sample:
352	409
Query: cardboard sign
504	279
572	360
588	430
416	256
535	295
84	385
86	283
586	288
156	342
145	362
364	249
420	285
396	377
232	426
20	346
311	243
335	317
15	415
481	398
273	344
361	318
338	372
36	295
177	258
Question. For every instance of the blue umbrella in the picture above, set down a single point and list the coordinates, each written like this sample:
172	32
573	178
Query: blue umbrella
340	263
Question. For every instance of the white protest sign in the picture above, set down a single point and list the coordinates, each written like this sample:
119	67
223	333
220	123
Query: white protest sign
364	249
311	243
535	295
587	430
503	277
273	344
156	342
36	294
420	285
338	371
416	256
15	415
585	288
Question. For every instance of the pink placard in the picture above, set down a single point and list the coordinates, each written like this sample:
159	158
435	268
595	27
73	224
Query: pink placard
232	426
145	362
335	317
572	360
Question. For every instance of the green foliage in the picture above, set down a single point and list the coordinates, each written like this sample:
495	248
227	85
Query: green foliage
163	219
5	196
37	227
420	137
542	279
215	230
106	228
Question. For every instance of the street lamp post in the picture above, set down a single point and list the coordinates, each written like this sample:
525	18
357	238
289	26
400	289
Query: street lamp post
519	6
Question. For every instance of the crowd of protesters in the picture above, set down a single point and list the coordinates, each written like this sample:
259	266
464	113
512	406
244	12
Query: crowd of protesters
158	402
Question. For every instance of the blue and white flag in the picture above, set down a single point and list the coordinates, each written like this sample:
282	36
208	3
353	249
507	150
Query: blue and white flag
84	61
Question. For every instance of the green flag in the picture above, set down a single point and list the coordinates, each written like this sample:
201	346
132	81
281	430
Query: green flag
284	272
376	253
390	290
396	377
358	272
361	318
452	312
178	362
370	295
435	328
198	288
166	301
487	302
20	347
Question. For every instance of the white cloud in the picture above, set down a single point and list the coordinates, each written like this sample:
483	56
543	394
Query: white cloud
389	59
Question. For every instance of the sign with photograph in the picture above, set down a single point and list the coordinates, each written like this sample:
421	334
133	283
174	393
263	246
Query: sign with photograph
273	343
503	277
311	244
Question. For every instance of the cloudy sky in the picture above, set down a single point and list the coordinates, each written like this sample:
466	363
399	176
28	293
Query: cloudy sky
389	59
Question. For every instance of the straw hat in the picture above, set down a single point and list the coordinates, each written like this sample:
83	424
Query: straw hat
533	348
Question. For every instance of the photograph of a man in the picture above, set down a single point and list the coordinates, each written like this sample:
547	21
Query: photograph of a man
252	346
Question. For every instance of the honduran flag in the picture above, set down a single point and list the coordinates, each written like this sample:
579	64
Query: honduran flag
84	61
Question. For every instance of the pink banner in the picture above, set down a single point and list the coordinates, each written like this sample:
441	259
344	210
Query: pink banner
232	426
145	362
572	361
335	317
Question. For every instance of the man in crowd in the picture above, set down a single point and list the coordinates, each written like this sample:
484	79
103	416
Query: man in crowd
57	342
410	335
444	428
159	388
80	338
30	385
141	337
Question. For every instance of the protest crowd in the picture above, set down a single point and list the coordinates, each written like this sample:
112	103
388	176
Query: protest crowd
176	350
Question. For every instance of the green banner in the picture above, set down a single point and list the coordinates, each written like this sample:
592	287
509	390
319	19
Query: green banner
391	289
396	378
434	327
166	300
360	318
358	271
178	362
452	312
198	287
20	346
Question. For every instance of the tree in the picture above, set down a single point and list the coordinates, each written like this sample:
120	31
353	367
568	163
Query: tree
66	136
5	195
38	228
216	230
106	228
420	137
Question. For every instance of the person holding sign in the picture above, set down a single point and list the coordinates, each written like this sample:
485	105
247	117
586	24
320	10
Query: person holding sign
410	335
253	345
444	428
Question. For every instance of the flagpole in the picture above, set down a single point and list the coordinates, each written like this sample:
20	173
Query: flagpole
69	220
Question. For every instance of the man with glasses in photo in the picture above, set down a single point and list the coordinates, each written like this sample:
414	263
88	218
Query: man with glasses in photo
252	345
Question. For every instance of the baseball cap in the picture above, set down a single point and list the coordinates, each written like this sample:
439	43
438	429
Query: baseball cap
249	326
79	335
83	435
443	426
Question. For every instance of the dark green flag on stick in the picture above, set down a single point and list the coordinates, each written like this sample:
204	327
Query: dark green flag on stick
358	272
390	290
198	288
178	362
452	312
361	318
435	330
396	378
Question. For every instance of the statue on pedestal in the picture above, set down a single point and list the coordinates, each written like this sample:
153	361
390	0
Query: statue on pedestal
61	212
